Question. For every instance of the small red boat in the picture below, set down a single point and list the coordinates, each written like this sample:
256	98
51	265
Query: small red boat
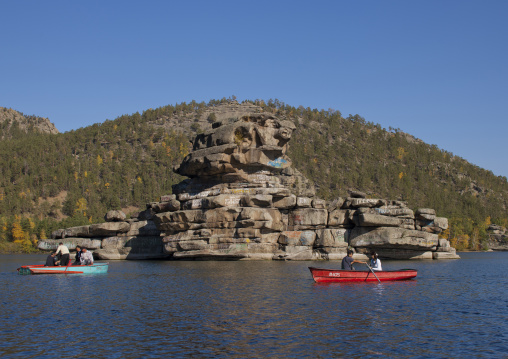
322	275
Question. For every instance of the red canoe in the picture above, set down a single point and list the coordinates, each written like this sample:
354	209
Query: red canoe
321	275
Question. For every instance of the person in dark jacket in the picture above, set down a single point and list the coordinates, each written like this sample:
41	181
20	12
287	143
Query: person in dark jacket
347	261
50	260
77	258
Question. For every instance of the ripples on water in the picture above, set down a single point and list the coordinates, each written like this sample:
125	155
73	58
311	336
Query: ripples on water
157	309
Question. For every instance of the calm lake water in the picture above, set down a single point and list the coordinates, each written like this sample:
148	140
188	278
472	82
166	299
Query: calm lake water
161	309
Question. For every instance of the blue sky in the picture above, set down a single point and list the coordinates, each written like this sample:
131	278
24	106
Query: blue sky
434	69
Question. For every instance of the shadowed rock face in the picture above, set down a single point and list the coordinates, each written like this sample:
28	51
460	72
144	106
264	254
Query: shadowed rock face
243	200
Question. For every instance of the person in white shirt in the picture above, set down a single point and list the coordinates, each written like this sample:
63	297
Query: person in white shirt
64	254
86	257
375	262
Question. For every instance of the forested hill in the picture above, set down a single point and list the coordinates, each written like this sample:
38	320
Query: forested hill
58	180
14	124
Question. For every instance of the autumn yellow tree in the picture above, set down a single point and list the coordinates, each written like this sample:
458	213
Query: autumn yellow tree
18	235
401	152
81	206
3	229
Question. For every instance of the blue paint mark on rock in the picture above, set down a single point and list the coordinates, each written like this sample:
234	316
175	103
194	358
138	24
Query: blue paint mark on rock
278	163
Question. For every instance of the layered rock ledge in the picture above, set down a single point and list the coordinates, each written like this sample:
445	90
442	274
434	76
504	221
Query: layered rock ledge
244	200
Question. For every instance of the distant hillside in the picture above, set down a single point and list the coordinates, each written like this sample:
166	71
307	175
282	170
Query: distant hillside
14	124
77	176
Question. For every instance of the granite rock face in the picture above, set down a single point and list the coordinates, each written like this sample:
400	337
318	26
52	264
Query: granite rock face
498	237
243	200
118	238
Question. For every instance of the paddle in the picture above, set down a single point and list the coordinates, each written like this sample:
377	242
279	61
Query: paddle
372	272
68	264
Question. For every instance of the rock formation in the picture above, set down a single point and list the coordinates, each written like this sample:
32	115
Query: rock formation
498	237
244	200
10	118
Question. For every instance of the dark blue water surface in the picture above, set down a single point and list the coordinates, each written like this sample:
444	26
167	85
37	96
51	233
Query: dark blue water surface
254	309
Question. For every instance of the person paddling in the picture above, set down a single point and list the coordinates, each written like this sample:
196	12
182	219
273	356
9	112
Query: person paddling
375	262
347	261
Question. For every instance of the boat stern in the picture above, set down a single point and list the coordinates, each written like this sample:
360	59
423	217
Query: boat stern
24	270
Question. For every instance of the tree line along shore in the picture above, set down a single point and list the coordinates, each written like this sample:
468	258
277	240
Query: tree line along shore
57	180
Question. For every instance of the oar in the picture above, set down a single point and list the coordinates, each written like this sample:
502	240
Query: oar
372	272
68	263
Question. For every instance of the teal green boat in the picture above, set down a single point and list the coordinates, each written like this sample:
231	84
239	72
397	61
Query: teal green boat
96	268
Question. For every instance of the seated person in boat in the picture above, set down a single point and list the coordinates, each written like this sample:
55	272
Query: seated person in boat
86	257
77	259
347	261
375	262
64	254
51	260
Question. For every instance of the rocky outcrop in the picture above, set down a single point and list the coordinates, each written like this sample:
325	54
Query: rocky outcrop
244	200
498	237
10	118
118	238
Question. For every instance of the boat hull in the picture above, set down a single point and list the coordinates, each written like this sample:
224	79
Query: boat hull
321	275
96	268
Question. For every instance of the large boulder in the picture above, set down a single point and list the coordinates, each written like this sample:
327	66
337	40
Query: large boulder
134	247
284	202
115	216
80	231
398	253
303	202
330	237
256	140
108	228
445	255
392	211
395	238
338	217
57	233
170	205
308	218
366	202
377	220
298	238
141	228
257	200
71	243
441	222
427	214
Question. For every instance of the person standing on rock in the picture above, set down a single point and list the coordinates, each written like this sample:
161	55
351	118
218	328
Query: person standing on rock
375	262
347	261
86	257
64	254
